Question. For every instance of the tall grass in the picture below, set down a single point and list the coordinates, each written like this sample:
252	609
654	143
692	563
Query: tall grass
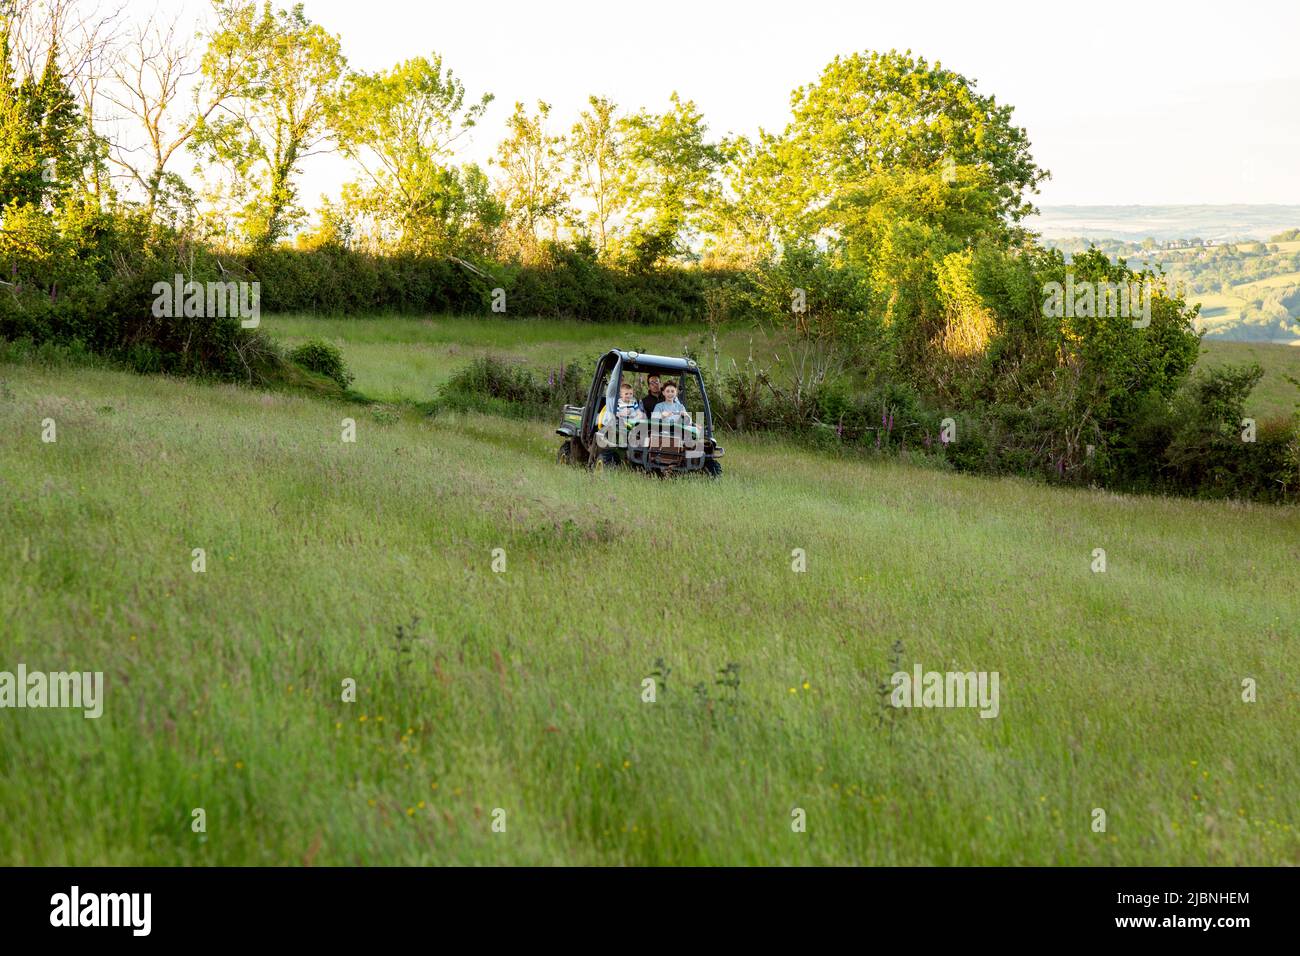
523	690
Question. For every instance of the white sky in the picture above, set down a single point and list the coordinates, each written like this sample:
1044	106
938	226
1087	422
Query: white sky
1137	102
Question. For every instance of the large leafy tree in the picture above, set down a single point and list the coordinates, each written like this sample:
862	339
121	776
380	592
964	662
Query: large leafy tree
533	181
891	168
880	113
399	126
596	172
670	181
289	89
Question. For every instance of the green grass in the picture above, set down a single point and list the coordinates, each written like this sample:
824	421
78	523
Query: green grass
1258	286
407	358
1274	396
523	690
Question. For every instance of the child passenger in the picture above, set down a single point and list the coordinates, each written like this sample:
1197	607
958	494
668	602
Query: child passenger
629	409
669	410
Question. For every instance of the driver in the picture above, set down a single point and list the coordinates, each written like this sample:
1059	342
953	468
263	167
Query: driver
653	397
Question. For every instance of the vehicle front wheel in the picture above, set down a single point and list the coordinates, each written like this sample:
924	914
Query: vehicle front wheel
713	468
605	459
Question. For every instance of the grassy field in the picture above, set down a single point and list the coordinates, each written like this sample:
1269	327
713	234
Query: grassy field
522	691
1274	396
398	358
1221	309
406	359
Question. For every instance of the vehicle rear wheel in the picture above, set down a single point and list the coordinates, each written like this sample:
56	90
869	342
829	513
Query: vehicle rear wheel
565	457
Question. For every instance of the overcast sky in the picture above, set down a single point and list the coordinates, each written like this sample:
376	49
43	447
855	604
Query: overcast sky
1125	102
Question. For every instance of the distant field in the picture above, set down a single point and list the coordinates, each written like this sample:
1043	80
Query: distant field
1121	232
396	358
1249	289
1274	395
407	358
1221	309
1135	223
1215	304
521	692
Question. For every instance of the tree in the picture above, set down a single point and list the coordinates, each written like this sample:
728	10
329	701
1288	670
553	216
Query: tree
670	181
20	157
151	72
399	126
596	171
880	113
744	224
531	161
290	73
42	146
896	169
85	33
44	152
484	213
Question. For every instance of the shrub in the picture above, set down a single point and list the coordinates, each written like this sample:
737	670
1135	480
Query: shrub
323	359
1208	454
492	384
1191	445
566	281
47	354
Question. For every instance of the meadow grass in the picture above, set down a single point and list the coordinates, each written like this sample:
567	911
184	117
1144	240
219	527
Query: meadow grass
523	690
1274	396
406	358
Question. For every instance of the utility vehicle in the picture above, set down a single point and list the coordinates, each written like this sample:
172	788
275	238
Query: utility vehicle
595	437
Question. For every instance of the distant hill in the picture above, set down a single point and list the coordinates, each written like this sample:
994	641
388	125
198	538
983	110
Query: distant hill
1134	223
1240	263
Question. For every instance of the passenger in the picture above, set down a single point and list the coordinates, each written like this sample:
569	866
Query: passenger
629	409
669	410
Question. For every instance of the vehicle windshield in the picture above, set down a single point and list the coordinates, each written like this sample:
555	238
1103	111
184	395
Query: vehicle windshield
646	392
649	381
